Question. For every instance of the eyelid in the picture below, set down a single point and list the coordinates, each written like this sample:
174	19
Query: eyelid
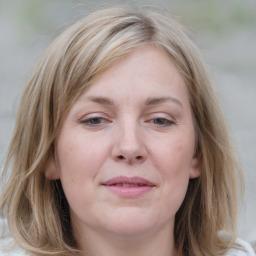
85	119
94	115
160	115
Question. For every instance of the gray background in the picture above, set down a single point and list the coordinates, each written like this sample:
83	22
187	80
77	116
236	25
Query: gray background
225	31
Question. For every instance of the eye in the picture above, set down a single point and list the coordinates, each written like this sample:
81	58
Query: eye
162	121
95	121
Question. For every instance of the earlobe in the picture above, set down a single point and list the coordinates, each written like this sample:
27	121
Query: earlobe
51	171
196	166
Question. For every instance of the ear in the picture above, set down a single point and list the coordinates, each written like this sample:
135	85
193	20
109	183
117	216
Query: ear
51	171
196	167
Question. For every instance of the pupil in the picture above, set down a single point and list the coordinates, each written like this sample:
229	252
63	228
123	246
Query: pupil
159	121
95	120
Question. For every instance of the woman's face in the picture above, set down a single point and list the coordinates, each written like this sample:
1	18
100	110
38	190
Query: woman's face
125	153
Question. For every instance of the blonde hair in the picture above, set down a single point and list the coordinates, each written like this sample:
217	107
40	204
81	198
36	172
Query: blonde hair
36	208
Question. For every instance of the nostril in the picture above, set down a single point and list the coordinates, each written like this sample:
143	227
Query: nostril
123	158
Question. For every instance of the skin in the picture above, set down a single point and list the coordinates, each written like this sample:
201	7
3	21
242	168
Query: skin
135	120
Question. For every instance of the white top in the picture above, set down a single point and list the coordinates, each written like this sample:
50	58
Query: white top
246	251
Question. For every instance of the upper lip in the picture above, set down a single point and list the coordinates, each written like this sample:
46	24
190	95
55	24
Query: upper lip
128	180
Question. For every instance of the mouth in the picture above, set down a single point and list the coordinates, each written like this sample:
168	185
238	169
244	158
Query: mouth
129	187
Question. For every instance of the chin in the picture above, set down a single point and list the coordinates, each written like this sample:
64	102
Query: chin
130	224
131	232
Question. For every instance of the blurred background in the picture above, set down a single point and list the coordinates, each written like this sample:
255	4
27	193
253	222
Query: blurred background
225	31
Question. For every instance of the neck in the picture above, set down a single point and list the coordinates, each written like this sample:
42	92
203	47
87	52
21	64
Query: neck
99	244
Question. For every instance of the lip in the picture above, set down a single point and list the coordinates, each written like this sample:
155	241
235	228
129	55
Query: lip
134	186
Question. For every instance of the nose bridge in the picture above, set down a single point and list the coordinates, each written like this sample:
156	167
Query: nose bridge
129	134
129	142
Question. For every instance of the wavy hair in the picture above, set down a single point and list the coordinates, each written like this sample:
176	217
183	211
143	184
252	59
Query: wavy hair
36	208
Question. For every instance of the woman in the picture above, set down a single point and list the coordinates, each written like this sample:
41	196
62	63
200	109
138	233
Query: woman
120	147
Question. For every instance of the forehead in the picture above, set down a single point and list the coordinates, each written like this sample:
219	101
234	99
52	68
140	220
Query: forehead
145	71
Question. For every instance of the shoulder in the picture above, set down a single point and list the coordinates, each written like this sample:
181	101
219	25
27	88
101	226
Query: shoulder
245	250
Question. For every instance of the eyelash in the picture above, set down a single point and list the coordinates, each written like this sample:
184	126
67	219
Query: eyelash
91	121
98	121
164	121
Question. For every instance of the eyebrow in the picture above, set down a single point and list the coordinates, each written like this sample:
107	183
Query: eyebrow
102	100
149	102
155	101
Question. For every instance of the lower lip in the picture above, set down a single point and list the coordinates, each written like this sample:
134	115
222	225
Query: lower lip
129	192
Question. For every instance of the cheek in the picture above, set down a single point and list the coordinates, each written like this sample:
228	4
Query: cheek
78	165
80	159
80	155
174	156
176	170
172	161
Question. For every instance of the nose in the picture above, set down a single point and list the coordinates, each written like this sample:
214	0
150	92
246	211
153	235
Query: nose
129	146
